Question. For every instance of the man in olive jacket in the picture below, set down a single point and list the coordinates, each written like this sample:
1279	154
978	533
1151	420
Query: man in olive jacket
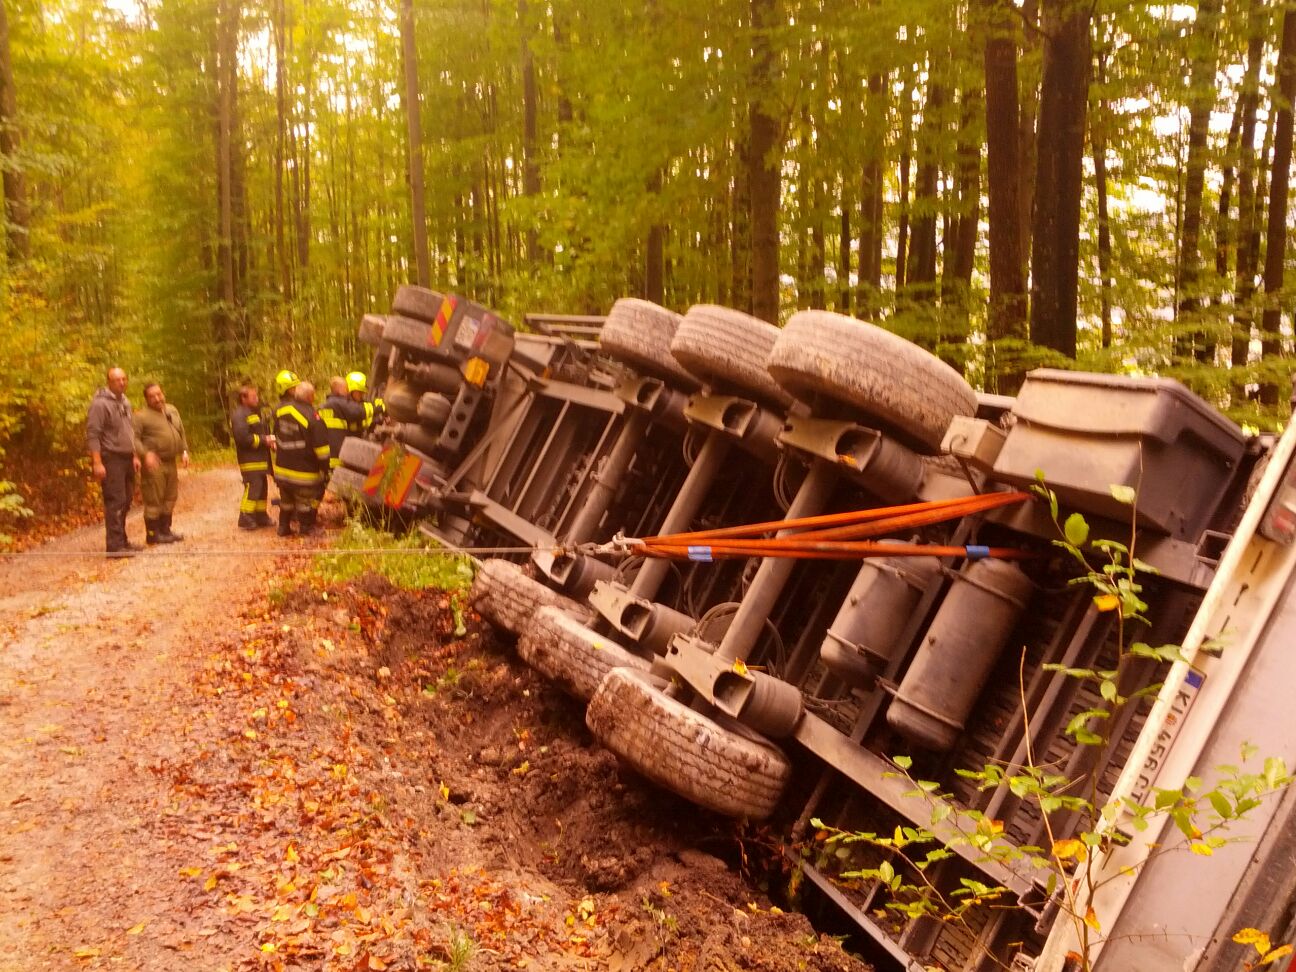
161	436
114	457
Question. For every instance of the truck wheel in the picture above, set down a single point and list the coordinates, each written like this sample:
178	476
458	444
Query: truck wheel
371	329
638	333
904	389
728	347
717	764
505	596
347	484
410	335
359	454
561	648
402	401
417	302
433	410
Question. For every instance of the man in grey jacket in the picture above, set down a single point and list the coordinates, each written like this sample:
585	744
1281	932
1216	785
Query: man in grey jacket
114	457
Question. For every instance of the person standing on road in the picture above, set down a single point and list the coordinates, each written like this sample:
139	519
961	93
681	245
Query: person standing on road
161	436
114	458
252	445
300	456
342	416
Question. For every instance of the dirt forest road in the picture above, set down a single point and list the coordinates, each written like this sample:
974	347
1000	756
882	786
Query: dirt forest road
94	653
215	762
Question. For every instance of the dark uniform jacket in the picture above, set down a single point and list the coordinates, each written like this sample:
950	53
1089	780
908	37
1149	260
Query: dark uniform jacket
301	456
342	417
249	440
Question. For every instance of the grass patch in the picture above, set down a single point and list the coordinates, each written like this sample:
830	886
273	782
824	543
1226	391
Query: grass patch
413	560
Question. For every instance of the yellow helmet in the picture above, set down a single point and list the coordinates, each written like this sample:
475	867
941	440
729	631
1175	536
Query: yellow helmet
285	381
356	382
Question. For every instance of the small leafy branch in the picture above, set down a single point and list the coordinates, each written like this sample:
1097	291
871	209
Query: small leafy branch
1070	864
12	508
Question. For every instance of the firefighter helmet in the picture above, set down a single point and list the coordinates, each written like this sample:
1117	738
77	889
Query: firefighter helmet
285	382
356	382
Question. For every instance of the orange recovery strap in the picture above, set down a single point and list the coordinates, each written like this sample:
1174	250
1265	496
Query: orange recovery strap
837	536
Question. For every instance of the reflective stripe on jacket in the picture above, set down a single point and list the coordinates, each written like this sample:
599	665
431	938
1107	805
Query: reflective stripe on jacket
301	455
341	417
249	441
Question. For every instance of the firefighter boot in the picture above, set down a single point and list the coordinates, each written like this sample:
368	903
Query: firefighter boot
285	523
247	522
153	531
306	524
262	519
168	535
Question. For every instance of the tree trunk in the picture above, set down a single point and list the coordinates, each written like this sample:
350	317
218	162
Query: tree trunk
655	249
764	160
906	161
1098	144
1055	254
967	220
844	255
530	169
1224	240
920	274
1276	231
1027	157
740	237
284	263
16	215
414	125
1193	342
1248	245
1007	310
871	188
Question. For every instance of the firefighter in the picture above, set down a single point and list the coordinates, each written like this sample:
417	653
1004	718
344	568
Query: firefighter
357	386
252	445
342	416
300	459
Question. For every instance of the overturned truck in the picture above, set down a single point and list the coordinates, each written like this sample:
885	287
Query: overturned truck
808	574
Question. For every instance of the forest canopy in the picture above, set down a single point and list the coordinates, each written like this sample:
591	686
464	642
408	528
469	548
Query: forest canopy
206	189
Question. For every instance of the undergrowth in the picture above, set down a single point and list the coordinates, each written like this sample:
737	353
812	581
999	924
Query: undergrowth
411	560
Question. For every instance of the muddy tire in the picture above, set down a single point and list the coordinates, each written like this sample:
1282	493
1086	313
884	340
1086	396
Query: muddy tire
359	454
719	765
504	595
371	329
638	333
348	485
411	336
433	410
402	401
904	389
729	348
562	649
417	302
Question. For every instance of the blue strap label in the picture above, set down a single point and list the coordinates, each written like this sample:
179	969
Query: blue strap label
977	552
702	554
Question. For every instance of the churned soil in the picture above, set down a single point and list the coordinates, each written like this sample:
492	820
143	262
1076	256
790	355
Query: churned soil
211	760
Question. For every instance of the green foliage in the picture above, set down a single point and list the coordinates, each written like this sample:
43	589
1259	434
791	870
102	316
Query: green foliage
412	561
642	122
460	947
11	508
